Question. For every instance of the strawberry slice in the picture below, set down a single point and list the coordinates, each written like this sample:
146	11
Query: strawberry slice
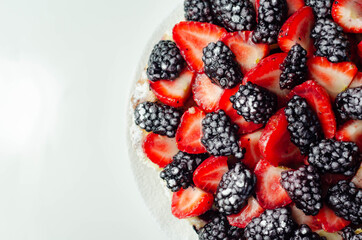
357	179
251	143
206	94
176	92
330	221
269	191
189	132
297	29
208	175
249	212
191	202
357	81
351	131
300	218
334	77
359	51
348	14
160	149
318	99
247	53
192	37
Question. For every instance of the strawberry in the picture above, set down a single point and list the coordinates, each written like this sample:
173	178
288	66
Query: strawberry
206	94
300	218
318	99
249	212
208	175
297	29
251	143
247	53
357	179
357	81
359	50
189	132
191	202
330	221
160	149
175	92
330	179
348	14
351	131
269	191
192	37
334	77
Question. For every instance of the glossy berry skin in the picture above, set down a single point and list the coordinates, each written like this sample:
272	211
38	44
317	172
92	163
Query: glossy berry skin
349	103
198	10
349	234
321	8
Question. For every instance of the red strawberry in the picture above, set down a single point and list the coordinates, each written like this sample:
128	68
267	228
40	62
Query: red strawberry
247	53
348	14
300	218
191	202
297	29
351	131
357	81
208	175
160	149
318	99
359	50
175	92
330	221
269	191
249	212
206	94
251	143
334	77
357	179
192	38
189	132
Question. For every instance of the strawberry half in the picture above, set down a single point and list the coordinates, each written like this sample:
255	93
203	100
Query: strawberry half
348	14
297	29
269	191
251	144
249	212
189	132
191	202
357	179
357	81
299	217
351	131
192	37
329	221
208	175
247	53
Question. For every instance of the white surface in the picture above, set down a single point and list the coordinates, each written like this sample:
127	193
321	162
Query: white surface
65	71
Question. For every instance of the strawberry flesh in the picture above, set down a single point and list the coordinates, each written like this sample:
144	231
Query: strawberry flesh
329	221
351	131
251	144
300	218
348	14
249	212
357	81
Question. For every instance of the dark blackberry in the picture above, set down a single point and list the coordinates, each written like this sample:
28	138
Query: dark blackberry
157	118
221	66
349	234
198	10
165	61
321	8
304	188
256	104
346	201
234	15
303	124
219	229
220	135
331	156
349	103
234	189
294	68
274	224
178	174
305	233
271	16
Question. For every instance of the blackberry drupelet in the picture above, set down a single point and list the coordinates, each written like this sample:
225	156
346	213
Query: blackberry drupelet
349	103
178	174
271	16
221	66
220	135
349	234
274	224
331	156
303	124
198	10
294	68
234	189
165	61
219	229
305	233
321	8
158	118
256	104
346	201
304	188
234	15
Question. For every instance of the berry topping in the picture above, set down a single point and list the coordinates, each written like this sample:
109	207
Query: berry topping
219	229
329	221
198	11
349	103
348	14
321	8
305	233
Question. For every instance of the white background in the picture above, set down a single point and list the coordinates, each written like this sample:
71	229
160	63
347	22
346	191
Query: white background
65	71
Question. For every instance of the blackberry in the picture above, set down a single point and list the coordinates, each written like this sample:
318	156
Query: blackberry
234	189
271	16
330	41
178	174
219	135
219	229
346	200
234	15
157	118
221	66
256	104
305	233
303	124
274	224
165	61
349	234
294	68
331	156
198	10
321	8
304	188
349	103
